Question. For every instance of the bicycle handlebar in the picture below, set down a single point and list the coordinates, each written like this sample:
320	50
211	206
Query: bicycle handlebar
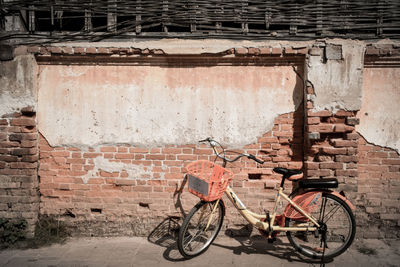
213	144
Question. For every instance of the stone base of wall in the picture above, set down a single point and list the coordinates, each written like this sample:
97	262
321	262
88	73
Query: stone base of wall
19	198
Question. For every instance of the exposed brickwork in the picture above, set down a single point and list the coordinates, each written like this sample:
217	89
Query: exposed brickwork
332	146
378	191
129	190
18	167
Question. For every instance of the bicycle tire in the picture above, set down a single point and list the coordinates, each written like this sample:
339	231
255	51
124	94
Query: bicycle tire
338	215
193	244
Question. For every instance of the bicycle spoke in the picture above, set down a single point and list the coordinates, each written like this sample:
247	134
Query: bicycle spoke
331	215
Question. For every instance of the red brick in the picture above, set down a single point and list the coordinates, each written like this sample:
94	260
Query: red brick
187	157
27	144
173	176
138	150
155	157
311	165
346	159
331	165
91	50
391	161
346	173
60	153
265	50
321	128
23	165
23	122
76	161
108	149
201	151
290	51
276	51
76	155
303	50
91	155
344	143
241	51
254	51
33	49
124	156
340	128
281	159
67	50
24	151
313	120
322	113
378	154
334	151
318	173
8	158
268	140
79	50
171	150
55	50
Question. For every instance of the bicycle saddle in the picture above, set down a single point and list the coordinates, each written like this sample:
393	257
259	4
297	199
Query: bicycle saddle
291	174
319	183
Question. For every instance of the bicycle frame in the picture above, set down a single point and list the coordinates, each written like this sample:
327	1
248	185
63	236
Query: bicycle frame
256	219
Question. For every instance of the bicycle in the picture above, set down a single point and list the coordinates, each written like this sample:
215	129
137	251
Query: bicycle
319	223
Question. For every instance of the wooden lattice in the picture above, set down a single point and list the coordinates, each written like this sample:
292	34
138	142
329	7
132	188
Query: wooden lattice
245	19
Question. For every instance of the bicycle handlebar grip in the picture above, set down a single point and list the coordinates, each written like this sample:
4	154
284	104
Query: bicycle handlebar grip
255	159
205	140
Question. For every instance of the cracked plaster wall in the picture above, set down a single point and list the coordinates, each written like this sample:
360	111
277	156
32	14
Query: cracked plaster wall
18	81
379	114
152	105
337	79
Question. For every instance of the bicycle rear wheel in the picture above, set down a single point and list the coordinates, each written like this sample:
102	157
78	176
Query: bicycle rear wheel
338	229
198	230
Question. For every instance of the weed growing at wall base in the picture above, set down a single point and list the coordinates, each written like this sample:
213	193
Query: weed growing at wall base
11	231
49	230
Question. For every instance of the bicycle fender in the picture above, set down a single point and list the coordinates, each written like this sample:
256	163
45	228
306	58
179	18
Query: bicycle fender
343	198
338	195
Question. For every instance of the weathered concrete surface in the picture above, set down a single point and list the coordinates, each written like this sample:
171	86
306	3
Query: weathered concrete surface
153	105
379	114
190	47
337	82
18	84
162	251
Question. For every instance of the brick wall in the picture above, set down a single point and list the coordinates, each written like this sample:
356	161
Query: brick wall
331	146
79	186
378	191
19	196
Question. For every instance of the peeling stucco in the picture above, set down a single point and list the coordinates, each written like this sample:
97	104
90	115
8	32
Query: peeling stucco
18	81
100	164
379	114
173	46
337	82
152	105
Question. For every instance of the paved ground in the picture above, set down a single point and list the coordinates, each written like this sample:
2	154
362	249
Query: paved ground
158	250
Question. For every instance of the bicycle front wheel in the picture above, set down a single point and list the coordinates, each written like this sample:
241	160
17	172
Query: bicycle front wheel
200	228
337	231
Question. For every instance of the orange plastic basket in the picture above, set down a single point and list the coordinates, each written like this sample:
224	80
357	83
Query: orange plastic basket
207	180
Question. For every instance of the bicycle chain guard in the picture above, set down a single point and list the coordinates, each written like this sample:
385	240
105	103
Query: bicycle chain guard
307	201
